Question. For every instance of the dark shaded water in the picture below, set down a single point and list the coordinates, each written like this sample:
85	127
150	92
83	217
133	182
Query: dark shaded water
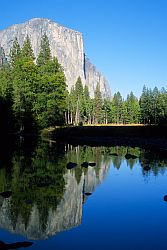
117	204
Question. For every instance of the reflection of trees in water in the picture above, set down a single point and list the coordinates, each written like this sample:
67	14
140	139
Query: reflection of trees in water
36	178
117	155
80	154
36	174
155	159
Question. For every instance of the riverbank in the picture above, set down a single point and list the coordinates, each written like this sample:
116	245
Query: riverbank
132	135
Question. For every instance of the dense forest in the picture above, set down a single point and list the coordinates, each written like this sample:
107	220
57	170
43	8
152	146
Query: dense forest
34	95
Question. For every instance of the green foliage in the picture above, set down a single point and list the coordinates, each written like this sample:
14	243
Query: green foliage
153	106
34	94
24	72
45	52
79	101
116	108
86	105
98	105
36	179
107	110
76	102
51	95
27	51
132	109
15	52
37	175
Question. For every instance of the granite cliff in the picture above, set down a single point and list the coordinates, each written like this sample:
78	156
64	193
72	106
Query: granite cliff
3	59
66	44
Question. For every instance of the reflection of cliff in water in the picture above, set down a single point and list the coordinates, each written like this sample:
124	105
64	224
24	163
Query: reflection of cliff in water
46	197
66	215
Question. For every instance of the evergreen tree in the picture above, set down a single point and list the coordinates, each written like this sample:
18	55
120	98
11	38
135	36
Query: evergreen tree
132	109
24	73
145	106
37	95
45	53
98	104
86	105
51	96
162	107
153	105
107	110
78	87
15	52
27	51
155	113
71	106
125	115
79	112
116	106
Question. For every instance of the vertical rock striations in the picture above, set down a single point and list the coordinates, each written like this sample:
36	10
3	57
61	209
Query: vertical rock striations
3	59
66	44
93	76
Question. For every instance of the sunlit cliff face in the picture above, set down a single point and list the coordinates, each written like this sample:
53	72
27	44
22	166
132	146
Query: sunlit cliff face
66	44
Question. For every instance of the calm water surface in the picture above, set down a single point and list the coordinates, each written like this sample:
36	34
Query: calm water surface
117	204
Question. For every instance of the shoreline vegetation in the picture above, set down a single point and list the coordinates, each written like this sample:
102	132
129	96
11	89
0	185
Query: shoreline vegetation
34	96
154	136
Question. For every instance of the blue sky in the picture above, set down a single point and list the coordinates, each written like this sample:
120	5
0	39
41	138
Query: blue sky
125	39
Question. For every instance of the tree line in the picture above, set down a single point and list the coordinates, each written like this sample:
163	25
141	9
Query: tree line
34	95
150	108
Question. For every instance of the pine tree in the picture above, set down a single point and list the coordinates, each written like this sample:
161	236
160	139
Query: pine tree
51	101
79	112
154	114
162	106
98	104
24	73
125	115
132	109
144	105
45	52
15	53
87	105
107	110
27	51
72	105
116	106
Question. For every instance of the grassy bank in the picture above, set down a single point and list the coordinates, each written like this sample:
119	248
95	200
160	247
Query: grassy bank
113	135
152	131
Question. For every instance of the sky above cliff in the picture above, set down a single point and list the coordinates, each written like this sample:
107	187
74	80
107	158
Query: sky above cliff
125	39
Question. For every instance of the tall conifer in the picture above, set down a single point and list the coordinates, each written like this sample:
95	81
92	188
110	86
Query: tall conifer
45	52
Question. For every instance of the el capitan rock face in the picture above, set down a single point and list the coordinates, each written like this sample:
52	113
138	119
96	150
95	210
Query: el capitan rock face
2	57
93	76
66	44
